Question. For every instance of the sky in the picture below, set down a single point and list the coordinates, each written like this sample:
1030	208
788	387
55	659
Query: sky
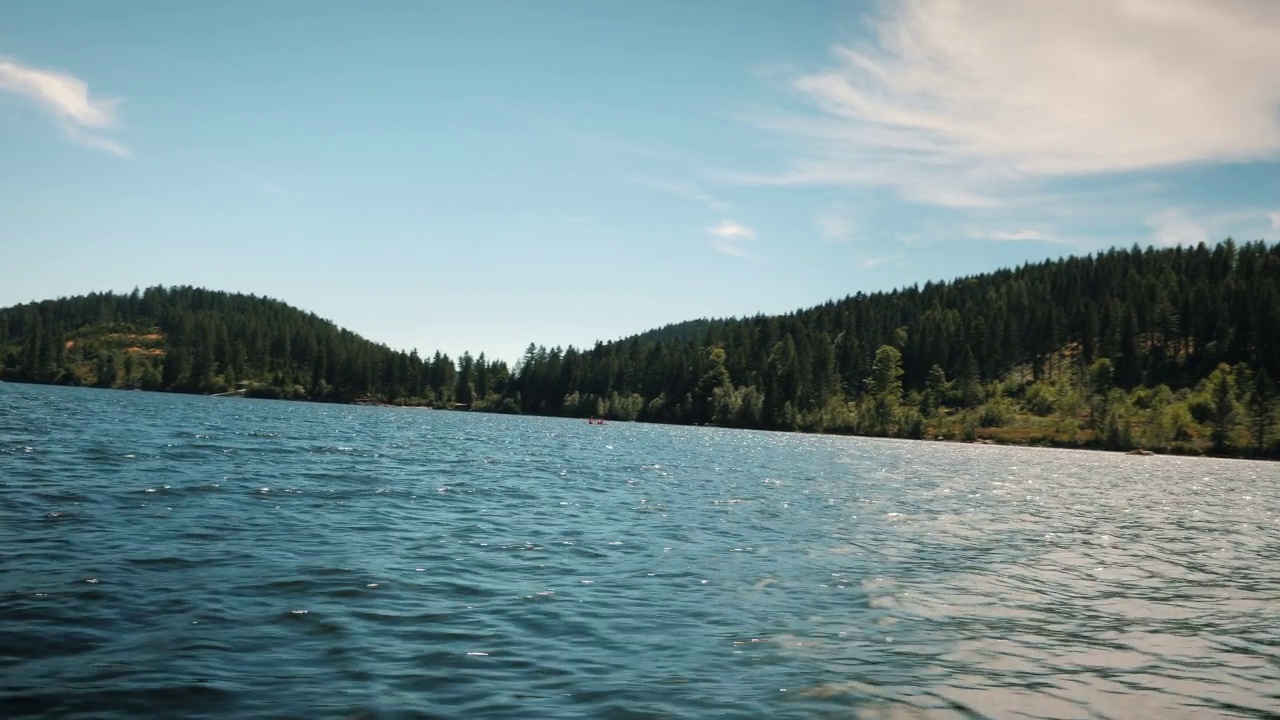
479	175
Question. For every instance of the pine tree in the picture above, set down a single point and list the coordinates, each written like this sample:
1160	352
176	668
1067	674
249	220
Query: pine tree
968	380
935	391
885	386
1224	406
1261	410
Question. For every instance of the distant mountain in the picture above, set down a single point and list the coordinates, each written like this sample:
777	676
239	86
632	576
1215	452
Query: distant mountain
1170	349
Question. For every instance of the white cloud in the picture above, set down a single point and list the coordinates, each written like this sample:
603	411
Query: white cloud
1173	226
730	230
1010	235
727	238
685	191
960	102
1015	235
1079	243
63	95
67	99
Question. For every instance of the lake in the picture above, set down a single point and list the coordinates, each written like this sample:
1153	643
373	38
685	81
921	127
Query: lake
176	556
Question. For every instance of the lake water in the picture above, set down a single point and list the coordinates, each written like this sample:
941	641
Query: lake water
170	556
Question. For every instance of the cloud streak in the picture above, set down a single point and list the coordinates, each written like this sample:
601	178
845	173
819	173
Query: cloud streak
1172	227
728	236
1176	225
867	263
66	98
684	191
730	230
836	224
962	104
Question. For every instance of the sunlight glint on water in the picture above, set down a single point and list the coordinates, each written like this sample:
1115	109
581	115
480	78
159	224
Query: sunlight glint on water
191	556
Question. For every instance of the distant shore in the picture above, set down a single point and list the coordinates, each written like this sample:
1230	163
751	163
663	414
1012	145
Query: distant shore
984	436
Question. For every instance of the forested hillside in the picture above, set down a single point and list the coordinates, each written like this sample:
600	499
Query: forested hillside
678	332
1168	349
186	339
1172	350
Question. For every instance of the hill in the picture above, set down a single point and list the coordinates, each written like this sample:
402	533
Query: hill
185	339
677	332
1170	349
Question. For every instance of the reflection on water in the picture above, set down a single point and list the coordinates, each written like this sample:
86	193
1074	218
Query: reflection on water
178	556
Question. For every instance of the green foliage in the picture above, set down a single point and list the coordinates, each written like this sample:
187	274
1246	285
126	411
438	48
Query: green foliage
995	412
1262	411
1040	399
1032	352
1175	425
936	389
1222	406
191	340
1172	350
1101	374
912	423
886	373
885	389
968	382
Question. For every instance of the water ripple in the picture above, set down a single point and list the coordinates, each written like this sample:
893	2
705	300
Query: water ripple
189	556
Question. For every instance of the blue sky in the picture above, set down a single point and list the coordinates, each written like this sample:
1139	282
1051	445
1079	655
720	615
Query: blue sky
480	175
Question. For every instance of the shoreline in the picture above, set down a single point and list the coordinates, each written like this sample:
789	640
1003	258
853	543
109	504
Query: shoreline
979	440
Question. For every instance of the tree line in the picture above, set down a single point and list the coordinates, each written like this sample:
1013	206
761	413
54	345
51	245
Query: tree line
1172	349
1169	349
185	339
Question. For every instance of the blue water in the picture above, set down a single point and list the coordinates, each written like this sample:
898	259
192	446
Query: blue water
170	556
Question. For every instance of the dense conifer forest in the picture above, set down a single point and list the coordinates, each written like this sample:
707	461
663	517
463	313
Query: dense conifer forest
1172	350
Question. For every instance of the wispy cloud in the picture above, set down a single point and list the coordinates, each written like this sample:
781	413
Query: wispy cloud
867	263
1015	235
932	184
726	247
97	142
961	104
1019	235
1173	226
1049	237
67	99
837	224
1177	225
730	230
728	236
684	191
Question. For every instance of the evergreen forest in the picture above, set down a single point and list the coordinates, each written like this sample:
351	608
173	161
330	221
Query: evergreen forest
1168	350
